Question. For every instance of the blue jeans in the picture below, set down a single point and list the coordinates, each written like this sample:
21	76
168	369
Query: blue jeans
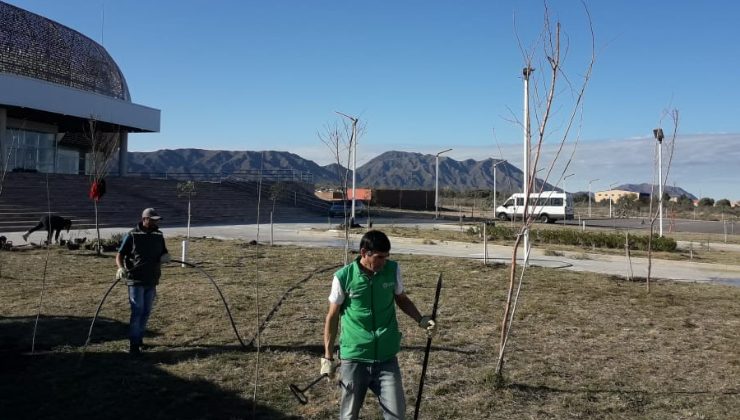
383	378
141	299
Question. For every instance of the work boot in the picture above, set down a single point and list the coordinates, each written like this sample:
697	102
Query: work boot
25	236
134	348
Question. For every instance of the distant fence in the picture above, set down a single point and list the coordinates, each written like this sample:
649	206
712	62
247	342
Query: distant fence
404	199
275	175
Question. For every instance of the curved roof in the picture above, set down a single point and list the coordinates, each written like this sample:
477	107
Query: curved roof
37	47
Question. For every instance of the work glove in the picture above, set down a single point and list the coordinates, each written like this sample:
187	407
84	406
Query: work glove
428	324
122	273
165	258
328	367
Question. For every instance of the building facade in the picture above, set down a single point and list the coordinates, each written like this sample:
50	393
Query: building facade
614	195
62	98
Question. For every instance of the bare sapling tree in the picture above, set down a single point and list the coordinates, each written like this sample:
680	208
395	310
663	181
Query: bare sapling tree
552	90
661	175
186	189
341	139
277	189
4	163
259	193
103	146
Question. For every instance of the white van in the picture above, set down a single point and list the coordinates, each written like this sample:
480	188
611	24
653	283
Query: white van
547	206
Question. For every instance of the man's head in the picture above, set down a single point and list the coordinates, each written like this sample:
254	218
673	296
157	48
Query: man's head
374	250
67	224
150	218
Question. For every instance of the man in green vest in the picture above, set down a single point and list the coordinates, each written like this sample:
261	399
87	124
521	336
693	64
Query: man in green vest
364	295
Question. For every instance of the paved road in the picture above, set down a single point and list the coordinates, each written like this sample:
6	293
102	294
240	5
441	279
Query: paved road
315	233
728	227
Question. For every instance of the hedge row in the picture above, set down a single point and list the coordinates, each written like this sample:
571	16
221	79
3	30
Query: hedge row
586	239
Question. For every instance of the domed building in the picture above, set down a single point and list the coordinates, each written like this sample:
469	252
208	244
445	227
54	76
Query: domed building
62	97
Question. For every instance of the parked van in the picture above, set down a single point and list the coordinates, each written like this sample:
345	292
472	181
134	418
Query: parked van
547	206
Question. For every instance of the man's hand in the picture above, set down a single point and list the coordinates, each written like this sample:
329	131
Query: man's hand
428	324
165	258
328	367
122	273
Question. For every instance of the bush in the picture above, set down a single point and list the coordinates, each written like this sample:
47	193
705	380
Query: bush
600	239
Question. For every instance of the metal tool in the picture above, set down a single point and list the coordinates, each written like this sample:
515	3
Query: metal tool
299	392
429	347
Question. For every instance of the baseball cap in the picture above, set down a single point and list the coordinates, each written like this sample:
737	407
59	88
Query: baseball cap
150	213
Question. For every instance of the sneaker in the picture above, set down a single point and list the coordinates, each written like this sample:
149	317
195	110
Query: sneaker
25	236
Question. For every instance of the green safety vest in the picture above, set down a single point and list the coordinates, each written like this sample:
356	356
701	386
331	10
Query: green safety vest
369	325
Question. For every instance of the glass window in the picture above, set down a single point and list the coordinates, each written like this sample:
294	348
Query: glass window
31	151
68	161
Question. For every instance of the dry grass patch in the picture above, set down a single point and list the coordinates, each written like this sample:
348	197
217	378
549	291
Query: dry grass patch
583	345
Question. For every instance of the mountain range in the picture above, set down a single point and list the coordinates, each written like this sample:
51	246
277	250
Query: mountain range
392	169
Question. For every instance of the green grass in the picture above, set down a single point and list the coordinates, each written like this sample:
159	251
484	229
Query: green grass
583	345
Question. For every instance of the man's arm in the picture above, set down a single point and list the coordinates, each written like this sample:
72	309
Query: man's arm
408	307
331	325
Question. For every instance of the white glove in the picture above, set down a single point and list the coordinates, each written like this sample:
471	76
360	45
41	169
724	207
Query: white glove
428	324
165	258
328	367
122	273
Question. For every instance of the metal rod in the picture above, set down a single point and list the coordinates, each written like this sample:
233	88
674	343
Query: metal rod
428	349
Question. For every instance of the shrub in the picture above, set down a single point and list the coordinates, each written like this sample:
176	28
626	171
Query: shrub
592	239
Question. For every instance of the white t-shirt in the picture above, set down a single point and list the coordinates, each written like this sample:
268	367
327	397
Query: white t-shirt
337	294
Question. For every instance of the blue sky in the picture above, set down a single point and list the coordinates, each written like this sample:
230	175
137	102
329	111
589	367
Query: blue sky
427	76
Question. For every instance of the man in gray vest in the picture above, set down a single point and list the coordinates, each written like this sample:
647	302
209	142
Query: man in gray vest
139	261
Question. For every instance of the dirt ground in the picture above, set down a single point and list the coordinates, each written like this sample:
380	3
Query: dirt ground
582	346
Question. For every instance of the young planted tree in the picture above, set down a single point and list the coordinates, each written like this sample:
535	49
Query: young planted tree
550	90
276	191
340	141
103	147
186	189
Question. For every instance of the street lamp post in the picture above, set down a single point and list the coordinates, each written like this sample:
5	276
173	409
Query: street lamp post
526	72
658	133
610	198
564	178
436	183
589	196
494	185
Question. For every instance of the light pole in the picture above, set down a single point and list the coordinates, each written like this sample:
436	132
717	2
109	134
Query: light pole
658	133
610	198
494	185
436	183
589	196
564	178
526	72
